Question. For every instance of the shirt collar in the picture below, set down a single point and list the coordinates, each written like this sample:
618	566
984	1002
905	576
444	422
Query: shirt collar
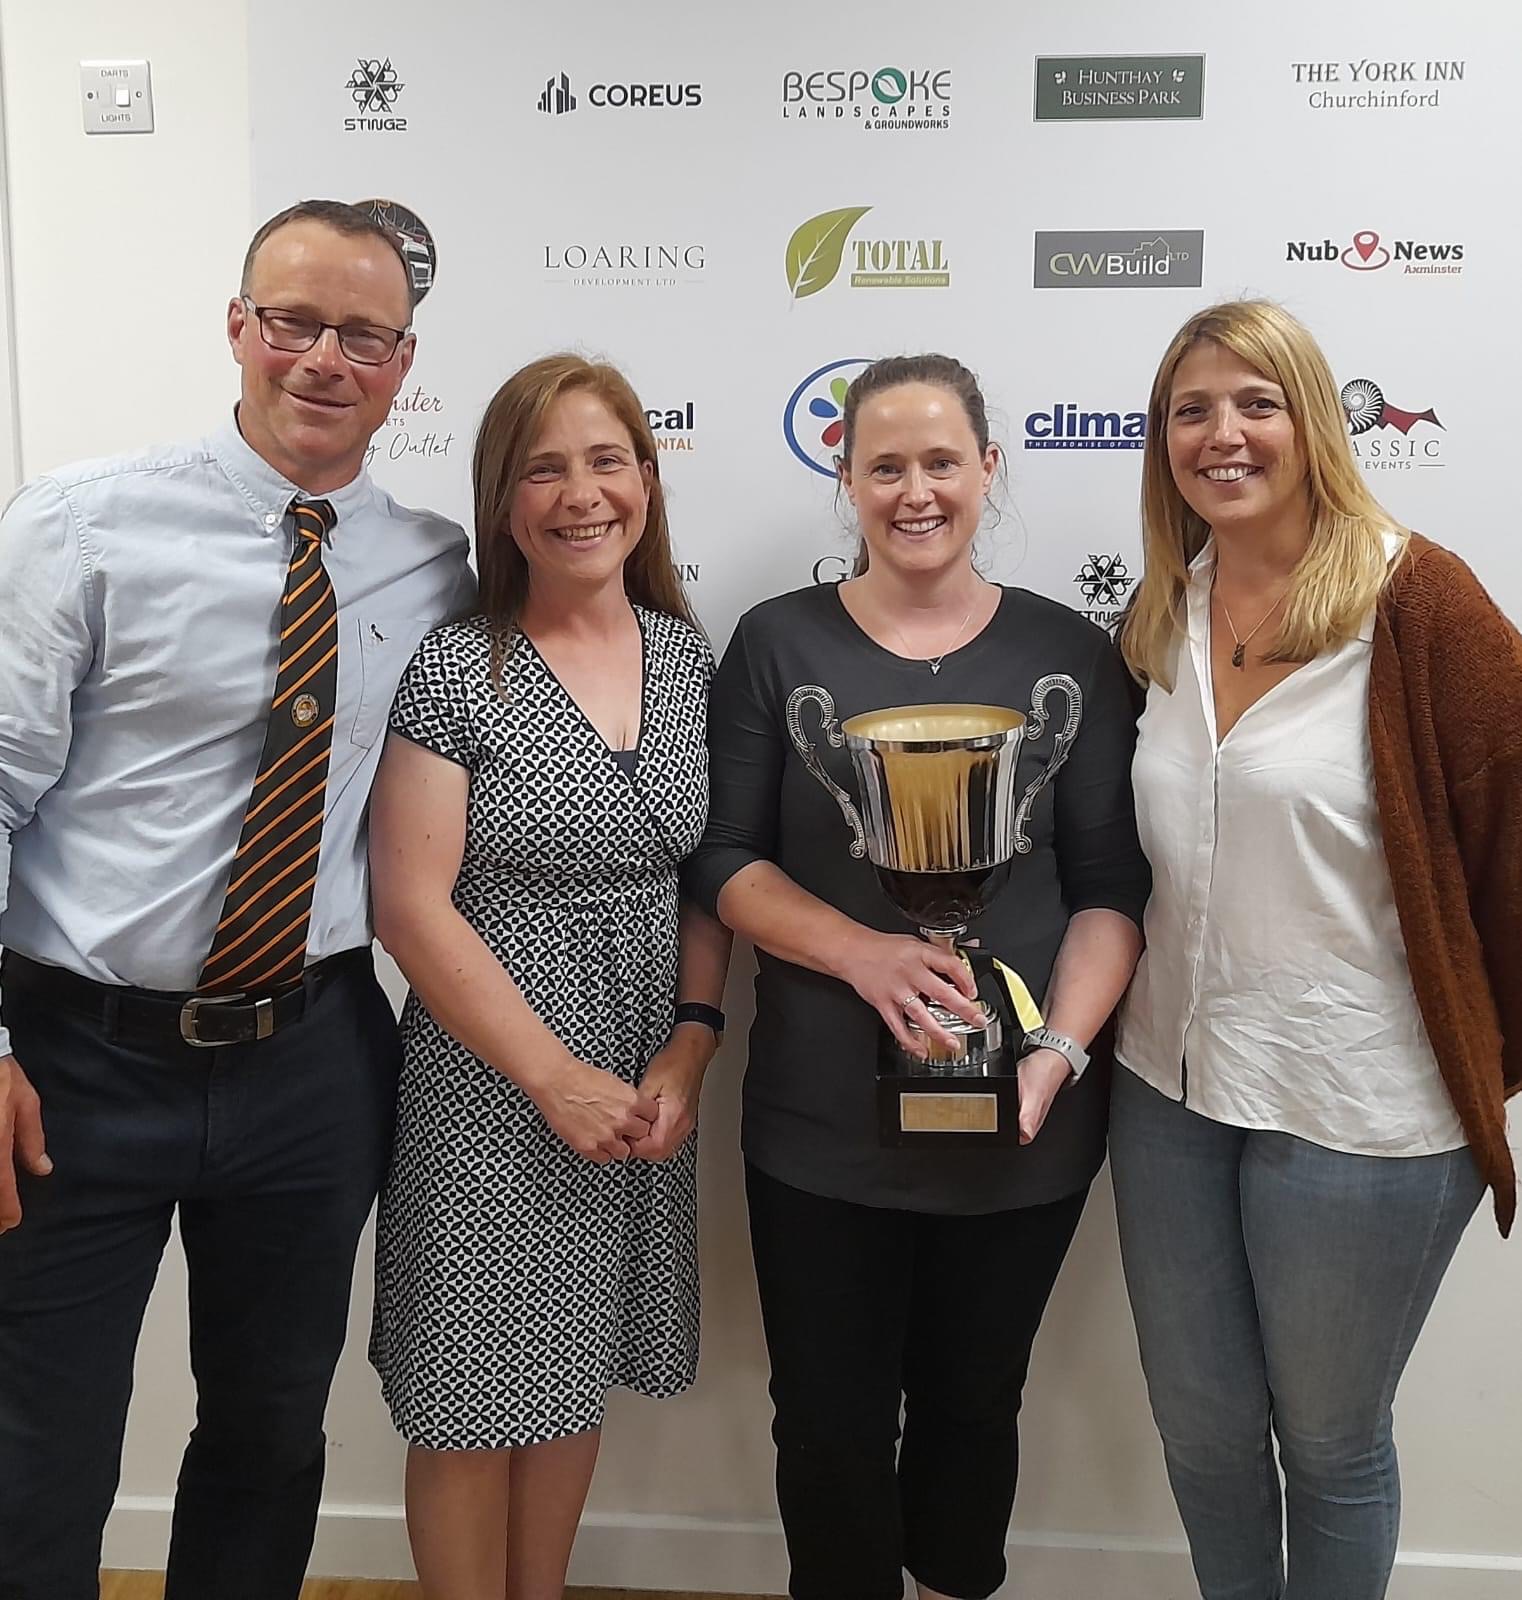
271	492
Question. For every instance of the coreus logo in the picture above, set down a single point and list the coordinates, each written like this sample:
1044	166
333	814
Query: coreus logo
1066	427
818	248
1109	260
1386	437
418	249
812	419
1102	581
908	98
558	97
1375	85
624	266
673	428
375	89
1369	253
1119	88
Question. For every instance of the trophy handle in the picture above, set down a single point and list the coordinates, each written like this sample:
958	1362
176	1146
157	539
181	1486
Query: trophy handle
1035	727
828	725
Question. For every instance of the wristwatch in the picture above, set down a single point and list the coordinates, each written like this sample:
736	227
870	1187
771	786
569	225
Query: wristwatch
1044	1038
696	1011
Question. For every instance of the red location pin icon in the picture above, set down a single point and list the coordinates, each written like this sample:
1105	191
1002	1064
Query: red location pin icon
1365	243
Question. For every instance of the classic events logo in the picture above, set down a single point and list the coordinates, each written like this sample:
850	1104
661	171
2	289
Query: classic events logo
1369	85
1386	437
1119	88
1066	427
375	88
1101	259
813	418
911	99
1368	253
558	97
818	247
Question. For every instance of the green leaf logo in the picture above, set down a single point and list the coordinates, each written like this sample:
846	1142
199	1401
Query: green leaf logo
814	251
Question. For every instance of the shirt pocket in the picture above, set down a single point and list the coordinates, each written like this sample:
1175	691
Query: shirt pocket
386	645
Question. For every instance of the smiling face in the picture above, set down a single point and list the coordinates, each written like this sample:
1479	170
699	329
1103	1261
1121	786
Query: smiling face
917	478
311	414
579	506
1232	445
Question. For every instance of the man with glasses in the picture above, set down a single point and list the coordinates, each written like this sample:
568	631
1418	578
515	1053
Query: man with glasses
198	650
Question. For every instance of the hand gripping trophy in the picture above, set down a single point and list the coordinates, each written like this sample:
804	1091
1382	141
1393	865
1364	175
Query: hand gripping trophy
941	822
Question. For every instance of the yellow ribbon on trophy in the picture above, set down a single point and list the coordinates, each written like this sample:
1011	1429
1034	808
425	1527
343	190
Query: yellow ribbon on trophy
1026	1010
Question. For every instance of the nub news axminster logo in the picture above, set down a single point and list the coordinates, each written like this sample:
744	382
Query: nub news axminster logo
1119	88
1105	259
375	87
912	99
558	97
1369	253
822	245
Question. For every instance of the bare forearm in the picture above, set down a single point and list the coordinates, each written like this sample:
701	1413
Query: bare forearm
1094	964
765	905
703	959
468	992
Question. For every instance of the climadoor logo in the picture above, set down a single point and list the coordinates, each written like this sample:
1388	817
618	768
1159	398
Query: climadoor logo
813	420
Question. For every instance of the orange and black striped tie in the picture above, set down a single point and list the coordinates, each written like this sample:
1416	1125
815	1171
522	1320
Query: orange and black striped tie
261	939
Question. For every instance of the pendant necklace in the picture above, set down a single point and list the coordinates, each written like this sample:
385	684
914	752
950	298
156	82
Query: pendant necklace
1239	655
934	662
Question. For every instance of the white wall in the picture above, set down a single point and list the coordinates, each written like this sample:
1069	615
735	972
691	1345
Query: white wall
123	253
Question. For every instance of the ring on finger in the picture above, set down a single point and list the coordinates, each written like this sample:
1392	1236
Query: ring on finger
904	1004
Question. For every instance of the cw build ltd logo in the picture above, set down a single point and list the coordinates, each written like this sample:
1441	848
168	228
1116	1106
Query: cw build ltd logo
1119	88
1386	437
819	247
375	88
1100	259
813	419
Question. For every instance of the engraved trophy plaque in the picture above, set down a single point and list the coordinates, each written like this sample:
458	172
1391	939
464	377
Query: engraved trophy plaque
941	821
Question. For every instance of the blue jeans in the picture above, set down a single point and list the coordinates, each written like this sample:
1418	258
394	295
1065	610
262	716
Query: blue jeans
1278	1288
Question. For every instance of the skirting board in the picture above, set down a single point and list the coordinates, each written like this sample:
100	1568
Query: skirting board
693	1553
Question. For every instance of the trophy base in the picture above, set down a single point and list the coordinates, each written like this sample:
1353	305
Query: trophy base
970	1099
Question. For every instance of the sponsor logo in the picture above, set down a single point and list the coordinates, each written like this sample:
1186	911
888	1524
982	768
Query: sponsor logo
915	99
375	89
1388	438
414	429
1110	260
831	569
624	266
820	246
1368	253
812	420
1375	85
558	97
1066	427
689	571
418	249
1102	581
1119	88
672	429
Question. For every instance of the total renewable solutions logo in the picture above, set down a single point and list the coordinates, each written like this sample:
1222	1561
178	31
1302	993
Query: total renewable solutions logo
1119	88
813	418
914	99
1105	259
375	88
818	249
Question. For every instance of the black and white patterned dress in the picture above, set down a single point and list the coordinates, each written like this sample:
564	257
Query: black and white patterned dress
516	1281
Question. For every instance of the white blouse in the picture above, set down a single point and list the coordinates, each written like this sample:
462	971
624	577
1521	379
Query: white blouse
1274	991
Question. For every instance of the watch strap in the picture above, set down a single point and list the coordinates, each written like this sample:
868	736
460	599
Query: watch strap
696	1011
1045	1038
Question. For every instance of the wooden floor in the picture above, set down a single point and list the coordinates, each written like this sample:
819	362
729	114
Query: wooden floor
150	1586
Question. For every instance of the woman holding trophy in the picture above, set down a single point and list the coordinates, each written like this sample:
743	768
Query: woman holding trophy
546	776
906	1244
1328	1018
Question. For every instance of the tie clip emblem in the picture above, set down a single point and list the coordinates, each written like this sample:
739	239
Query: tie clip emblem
304	709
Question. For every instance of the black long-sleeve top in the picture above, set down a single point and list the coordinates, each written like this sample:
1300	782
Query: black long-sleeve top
809	1102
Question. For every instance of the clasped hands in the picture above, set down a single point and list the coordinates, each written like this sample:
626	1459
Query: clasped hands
604	1118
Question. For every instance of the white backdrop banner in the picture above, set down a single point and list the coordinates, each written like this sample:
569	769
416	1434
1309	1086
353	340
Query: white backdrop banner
741	207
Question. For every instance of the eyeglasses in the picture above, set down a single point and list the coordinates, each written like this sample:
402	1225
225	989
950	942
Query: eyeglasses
365	343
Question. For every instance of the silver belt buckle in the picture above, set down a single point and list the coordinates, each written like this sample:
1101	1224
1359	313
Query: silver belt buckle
264	1018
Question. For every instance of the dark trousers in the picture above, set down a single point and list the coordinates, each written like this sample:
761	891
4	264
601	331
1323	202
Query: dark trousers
272	1153
867	1309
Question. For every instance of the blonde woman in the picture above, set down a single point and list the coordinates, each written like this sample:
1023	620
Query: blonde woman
1328	1017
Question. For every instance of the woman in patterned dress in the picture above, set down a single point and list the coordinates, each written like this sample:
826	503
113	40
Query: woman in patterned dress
545	778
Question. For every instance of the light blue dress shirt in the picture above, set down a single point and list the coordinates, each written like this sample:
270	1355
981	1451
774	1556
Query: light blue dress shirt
138	647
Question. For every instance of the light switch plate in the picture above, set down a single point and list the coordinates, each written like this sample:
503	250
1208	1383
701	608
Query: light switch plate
116	96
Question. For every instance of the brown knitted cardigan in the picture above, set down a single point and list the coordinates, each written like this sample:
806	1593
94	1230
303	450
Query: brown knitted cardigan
1445	723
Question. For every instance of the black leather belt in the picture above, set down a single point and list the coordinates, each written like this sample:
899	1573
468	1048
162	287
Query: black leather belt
205	1021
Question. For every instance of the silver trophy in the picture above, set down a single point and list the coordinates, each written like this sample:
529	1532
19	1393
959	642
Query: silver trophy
941	821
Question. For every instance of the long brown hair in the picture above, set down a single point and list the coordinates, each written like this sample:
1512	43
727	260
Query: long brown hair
504	442
1338	579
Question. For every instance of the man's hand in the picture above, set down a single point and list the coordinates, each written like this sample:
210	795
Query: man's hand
20	1138
673	1080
